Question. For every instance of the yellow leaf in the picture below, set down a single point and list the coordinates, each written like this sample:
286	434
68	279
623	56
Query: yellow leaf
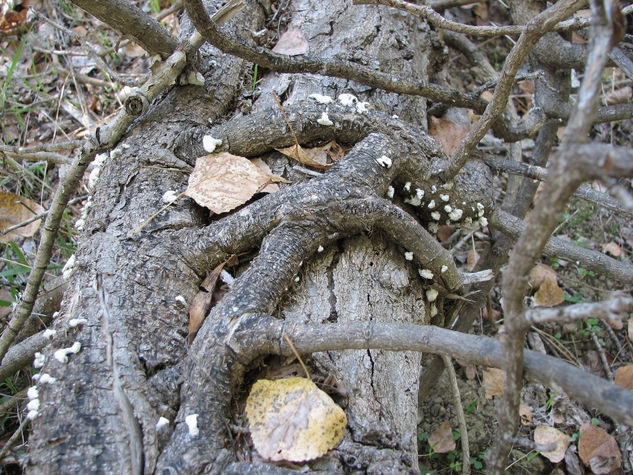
545	435
13	210
223	181
291	419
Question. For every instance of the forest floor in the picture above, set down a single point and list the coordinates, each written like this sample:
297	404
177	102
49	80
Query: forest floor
63	72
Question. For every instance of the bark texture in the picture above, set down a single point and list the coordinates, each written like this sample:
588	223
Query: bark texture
134	366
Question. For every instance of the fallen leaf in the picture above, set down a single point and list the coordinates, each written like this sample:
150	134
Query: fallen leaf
222	182
291	43
471	260
471	372
619	96
549	294
13	210
6	306
315	157
539	274
624	376
630	329
444	232
449	133
612	248
291	419
598	450
441	440
201	302
493	382
525	413
545	435
263	166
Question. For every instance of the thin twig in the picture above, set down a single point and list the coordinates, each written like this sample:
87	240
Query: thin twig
14	438
459	409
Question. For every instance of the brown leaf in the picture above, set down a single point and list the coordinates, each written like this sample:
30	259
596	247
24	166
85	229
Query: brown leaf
598	450
545	435
291	43
541	273
444	232
291	419
624	376
263	166
449	133
630	329
223	181
549	294
315	157
201	302
13	210
441	440
525	413
612	248
493	382
471	260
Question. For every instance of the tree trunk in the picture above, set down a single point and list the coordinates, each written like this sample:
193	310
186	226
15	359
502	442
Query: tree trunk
135	366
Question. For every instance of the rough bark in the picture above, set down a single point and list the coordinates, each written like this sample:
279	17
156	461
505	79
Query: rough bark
135	367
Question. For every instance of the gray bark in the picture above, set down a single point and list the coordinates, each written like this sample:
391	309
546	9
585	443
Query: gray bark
134	366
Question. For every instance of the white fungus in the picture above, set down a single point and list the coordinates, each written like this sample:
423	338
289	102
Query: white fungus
32	393
425	273
192	424
68	267
321	99
347	100
433	310
480	210
361	107
431	295
433	188
448	186
431	205
468	220
419	193
390	191
448	208
435	215
444	197
408	256
384	161
33	405
324	120
413	201
32	415
162	422
407	186
38	360
455	215
297	279
483	222
46	378
80	224
320	249
61	355
49	333
227	278
181	299
433	227
209	143
443	269
169	196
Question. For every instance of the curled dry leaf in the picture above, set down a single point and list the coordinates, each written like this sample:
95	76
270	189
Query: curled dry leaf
312	157
13	210
624	377
539	274
293	420
525	413
449	133
612	248
441	440
201	302
545	435
598	450
549	294
291	43
224	181
493	382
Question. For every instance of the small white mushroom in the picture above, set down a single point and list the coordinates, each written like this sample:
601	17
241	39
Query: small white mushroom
38	360
408	256
33	405
347	100
169	196
433	310
431	204
435	215
361	107
181	299
390	192
324	120
448	208
61	355
209	144
455	215
75	322
162	422
320	249
483	222
384	161
32	393
431	295
46	378
49	333
32	415
419	193
321	99
425	273
444	197
192	424
227	278
433	227
433	188
407	186
68	267
448	186
443	269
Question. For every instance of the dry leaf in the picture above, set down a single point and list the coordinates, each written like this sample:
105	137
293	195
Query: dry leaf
471	372
291	419
444	232
612	248
619	96
291	43
441	440
471	259
545	435
316	157
201	302
549	294
223	181
630	329
598	450
539	274
624	377
493	382
525	413
13	210
449	133
262	165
